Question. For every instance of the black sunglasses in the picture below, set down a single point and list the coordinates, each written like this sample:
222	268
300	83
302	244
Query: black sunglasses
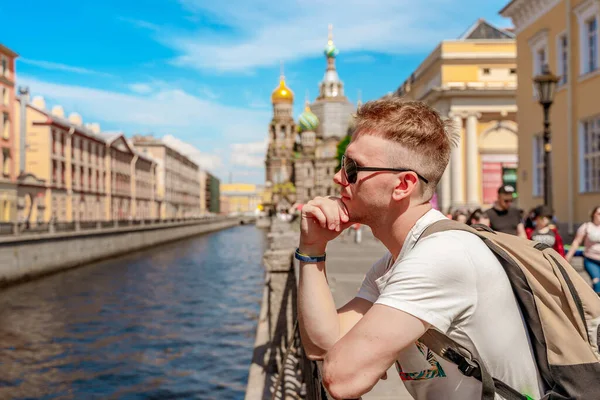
351	170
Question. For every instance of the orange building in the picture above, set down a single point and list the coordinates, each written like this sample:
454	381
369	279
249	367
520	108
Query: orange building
8	172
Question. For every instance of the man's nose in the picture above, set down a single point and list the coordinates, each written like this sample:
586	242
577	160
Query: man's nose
339	179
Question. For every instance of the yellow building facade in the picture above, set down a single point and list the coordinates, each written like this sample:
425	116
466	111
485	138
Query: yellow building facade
74	173
564	35
240	197
473	81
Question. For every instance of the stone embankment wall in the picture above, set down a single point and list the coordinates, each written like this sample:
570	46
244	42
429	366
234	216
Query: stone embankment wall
26	257
279	369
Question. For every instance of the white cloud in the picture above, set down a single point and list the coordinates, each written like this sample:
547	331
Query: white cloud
264	32
208	93
249	154
210	162
200	128
141	88
359	58
62	67
168	110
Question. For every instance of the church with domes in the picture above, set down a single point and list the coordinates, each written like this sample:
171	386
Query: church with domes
301	157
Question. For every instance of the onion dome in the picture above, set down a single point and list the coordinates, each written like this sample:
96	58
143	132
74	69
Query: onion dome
282	94
308	121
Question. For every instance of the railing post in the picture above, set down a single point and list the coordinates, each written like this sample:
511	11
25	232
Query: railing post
77	226
51	227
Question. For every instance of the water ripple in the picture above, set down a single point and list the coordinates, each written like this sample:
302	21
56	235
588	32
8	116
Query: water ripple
175	322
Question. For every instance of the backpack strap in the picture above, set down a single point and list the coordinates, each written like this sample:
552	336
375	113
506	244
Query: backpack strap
451	225
468	363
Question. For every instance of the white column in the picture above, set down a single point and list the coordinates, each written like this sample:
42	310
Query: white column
445	201
456	165
472	167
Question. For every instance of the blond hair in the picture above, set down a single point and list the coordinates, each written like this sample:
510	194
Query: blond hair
418	128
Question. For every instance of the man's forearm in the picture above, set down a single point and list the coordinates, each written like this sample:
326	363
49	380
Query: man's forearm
317	314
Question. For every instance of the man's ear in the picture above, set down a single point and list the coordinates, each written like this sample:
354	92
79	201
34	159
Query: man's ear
406	184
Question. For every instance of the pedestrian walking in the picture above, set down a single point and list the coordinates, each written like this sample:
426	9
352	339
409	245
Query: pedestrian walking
503	217
357	233
588	234
448	282
544	231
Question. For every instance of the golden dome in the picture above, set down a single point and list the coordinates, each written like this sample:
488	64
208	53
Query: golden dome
282	94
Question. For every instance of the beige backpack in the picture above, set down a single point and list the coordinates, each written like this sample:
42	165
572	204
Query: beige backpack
561	311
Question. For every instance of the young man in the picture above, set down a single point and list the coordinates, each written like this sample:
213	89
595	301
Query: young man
449	281
503	217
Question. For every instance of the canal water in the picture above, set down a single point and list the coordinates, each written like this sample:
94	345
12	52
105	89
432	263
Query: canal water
174	322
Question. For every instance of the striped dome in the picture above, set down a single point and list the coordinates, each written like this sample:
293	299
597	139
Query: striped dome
308	121
331	50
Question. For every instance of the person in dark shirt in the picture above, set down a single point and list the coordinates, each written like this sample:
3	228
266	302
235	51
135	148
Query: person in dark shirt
545	232
503	217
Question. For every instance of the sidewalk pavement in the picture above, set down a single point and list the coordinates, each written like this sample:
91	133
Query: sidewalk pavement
347	263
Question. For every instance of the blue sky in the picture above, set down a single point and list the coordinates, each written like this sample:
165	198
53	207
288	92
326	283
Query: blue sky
200	73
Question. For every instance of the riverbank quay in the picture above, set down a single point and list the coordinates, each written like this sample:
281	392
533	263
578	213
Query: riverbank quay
347	263
278	368
27	255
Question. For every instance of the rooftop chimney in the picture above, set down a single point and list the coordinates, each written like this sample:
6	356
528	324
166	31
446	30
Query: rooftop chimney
75	119
58	111
94	127
39	102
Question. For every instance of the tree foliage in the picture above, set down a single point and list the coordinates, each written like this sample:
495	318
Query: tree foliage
341	150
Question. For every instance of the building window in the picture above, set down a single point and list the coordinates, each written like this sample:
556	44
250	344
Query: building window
5	126
5	162
589	150
513	71
4	66
538	165
588	14
541	60
6	214
592	44
486	71
562	53
5	96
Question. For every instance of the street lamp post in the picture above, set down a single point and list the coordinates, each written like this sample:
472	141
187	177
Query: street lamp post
545	84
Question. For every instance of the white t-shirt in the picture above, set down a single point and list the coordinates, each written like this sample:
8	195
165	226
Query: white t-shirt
454	282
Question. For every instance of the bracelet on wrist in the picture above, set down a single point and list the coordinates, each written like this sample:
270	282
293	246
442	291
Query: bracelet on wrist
308	258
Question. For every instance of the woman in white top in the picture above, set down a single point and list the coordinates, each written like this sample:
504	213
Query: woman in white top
589	235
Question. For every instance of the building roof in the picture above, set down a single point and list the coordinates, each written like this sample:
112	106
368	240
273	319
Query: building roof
484	30
7	51
64	122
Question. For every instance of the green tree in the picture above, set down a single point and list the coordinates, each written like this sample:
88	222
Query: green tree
341	150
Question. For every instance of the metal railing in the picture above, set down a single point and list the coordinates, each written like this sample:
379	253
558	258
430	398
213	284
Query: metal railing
8	229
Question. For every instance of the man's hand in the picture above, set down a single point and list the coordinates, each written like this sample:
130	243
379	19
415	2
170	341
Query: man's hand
323	219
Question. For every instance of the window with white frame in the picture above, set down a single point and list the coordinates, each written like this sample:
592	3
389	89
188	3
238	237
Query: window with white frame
538	165
591	27
562	55
589	150
538	45
588	15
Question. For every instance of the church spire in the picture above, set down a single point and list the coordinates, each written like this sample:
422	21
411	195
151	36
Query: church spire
331	86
